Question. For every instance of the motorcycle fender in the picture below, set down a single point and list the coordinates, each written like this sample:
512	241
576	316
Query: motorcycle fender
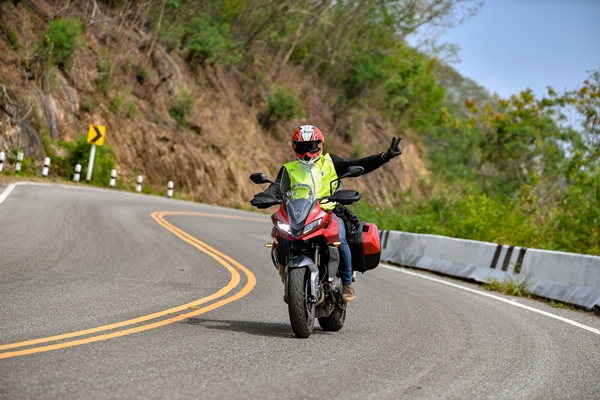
304	261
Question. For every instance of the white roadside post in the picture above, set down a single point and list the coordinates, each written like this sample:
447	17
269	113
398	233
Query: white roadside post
113	178
1	160
95	137
88	177
138	188
170	189
19	161
46	166
77	173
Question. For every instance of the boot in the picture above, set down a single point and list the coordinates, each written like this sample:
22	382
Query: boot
348	293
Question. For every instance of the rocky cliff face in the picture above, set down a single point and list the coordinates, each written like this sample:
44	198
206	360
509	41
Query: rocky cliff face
211	158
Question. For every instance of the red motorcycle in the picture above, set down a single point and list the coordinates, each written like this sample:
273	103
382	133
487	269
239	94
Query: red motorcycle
305	252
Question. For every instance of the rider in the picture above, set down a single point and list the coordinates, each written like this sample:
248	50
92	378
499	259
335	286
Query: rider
307	143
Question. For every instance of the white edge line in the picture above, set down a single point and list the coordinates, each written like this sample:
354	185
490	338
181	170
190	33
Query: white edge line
507	301
7	191
106	190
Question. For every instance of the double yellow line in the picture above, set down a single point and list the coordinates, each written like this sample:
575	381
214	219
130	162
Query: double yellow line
230	264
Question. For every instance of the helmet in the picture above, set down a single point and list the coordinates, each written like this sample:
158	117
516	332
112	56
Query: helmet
307	143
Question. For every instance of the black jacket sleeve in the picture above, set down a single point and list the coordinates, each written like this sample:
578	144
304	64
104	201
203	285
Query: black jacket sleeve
370	163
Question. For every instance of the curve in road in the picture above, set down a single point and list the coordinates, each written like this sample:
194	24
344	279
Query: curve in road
229	263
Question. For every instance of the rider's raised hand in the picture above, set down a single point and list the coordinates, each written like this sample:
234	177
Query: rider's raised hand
393	151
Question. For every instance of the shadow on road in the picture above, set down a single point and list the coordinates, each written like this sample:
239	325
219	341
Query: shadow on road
270	329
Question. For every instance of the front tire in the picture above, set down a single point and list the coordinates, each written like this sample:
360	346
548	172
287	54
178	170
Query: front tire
335	321
300	307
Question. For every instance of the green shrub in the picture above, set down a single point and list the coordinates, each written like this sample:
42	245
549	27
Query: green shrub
517	287
88	103
127	65
28	167
513	286
143	73
62	38
79	153
493	285
65	155
206	39
116	102
131	109
282	105
106	72
182	106
13	39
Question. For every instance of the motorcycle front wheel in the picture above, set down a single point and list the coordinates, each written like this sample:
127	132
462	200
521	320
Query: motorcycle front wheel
300	306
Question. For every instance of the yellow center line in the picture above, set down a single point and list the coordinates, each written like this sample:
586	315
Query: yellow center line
220	257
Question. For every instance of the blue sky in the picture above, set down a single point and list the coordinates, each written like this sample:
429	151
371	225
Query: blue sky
511	45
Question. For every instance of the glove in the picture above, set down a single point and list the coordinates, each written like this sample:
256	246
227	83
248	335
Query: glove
393	151
264	200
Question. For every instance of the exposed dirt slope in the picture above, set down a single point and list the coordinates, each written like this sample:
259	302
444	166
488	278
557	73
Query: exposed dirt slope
209	160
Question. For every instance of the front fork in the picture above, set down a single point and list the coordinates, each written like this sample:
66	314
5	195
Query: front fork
303	261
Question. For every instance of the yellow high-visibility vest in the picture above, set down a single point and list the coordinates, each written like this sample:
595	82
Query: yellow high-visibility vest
317	175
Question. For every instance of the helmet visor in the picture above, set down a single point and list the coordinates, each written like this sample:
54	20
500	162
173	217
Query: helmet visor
310	146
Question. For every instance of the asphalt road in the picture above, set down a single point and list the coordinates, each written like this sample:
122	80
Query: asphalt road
130	303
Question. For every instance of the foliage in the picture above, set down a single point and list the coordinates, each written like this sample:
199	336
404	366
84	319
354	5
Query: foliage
65	155
205	40
511	174
13	38
116	102
142	74
459	88
559	304
200	36
78	152
88	103
512	285
503	170
356	47
182	106
62	38
120	102
106	72
282	105
28	167
131	109
493	285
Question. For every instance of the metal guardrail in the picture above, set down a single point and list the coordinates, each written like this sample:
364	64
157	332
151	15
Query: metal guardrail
566	277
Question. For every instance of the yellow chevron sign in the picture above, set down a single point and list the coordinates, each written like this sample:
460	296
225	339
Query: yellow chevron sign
96	135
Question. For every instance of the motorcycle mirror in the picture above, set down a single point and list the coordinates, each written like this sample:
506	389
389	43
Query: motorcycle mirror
353	172
259	177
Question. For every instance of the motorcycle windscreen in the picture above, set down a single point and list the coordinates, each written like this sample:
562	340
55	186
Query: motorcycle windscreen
298	211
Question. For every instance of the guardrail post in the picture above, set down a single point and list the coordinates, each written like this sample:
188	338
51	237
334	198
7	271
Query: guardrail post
113	178
138	188
46	166
77	173
170	189
19	161
1	160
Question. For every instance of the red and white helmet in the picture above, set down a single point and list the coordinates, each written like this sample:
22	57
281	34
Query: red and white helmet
307	143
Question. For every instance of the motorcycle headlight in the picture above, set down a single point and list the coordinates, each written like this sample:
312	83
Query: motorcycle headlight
284	227
312	226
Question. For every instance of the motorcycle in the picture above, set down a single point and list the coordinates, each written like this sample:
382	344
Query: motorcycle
305	251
